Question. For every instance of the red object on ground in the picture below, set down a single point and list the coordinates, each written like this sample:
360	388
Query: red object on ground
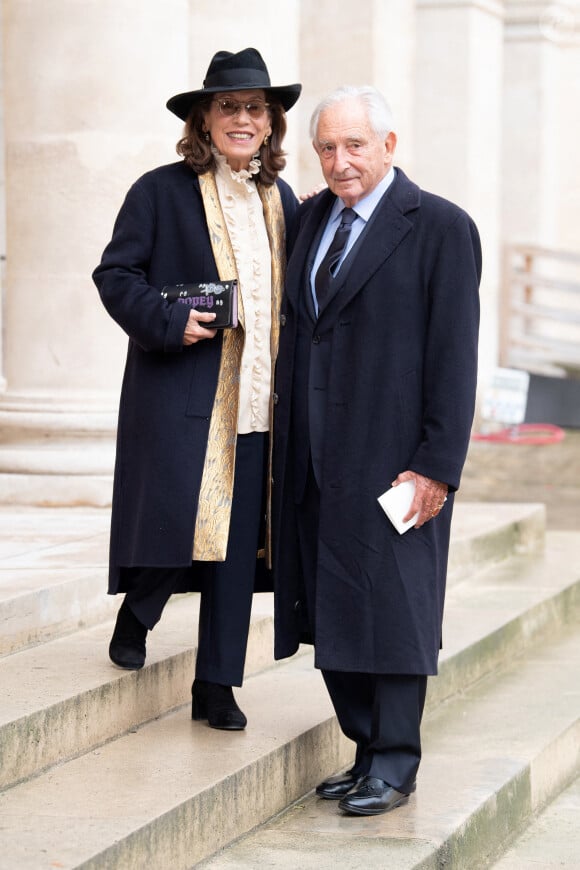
524	433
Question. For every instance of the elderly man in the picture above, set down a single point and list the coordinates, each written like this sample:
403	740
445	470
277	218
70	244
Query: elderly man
375	385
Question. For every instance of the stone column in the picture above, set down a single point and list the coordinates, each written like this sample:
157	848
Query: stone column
370	42
541	122
85	87
2	210
458	113
568	152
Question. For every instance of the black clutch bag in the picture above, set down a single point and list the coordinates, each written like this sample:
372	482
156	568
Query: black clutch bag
219	298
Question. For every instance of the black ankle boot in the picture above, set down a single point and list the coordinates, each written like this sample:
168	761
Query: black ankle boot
217	704
127	647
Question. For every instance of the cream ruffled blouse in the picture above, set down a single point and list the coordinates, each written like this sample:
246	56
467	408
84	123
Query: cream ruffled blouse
244	218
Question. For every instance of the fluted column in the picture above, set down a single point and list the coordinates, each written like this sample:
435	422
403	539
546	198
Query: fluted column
458	115
85	86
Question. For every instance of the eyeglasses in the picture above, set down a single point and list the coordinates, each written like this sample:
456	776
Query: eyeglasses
230	108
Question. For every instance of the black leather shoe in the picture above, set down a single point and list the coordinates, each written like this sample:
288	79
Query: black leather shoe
127	647
335	787
217	704
371	797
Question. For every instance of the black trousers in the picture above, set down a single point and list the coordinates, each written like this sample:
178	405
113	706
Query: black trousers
226	587
381	713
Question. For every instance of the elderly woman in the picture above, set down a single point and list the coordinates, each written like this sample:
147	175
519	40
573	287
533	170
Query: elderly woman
192	444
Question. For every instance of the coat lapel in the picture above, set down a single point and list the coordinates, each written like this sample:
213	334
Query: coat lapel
386	229
304	251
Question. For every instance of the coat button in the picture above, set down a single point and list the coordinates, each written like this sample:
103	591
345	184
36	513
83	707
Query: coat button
316	339
297	605
282	320
275	398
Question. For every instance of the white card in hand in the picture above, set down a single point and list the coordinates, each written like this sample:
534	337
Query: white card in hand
396	503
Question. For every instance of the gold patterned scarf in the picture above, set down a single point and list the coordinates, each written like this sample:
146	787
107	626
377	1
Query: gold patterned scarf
212	523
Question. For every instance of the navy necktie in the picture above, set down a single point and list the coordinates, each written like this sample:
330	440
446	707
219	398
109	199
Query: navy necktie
326	270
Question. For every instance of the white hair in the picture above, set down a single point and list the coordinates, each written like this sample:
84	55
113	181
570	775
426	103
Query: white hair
378	111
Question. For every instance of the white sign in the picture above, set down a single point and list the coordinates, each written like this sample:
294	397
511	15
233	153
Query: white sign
506	397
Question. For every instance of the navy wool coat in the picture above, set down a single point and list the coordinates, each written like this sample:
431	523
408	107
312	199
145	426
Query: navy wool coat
160	237
400	395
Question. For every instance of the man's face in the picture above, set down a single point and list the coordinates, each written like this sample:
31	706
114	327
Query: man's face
353	158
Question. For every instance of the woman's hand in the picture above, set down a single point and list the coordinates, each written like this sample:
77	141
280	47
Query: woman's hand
304	196
194	328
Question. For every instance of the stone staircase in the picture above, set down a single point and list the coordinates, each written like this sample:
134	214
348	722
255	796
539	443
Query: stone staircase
102	768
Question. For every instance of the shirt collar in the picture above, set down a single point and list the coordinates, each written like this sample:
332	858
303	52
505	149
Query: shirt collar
366	206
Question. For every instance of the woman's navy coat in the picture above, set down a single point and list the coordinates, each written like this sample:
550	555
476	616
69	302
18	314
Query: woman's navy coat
160	237
400	395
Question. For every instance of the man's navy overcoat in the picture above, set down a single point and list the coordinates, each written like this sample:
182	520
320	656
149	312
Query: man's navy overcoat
400	395
160	237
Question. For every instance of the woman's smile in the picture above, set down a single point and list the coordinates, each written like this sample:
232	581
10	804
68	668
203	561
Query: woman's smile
238	138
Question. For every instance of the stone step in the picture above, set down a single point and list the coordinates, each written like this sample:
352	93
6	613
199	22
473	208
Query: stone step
192	790
492	757
53	573
496	614
485	534
90	702
64	697
173	791
552	841
53	563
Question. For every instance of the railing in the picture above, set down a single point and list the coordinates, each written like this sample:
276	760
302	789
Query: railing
540	310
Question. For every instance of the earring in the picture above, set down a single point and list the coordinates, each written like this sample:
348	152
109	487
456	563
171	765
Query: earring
265	140
206	136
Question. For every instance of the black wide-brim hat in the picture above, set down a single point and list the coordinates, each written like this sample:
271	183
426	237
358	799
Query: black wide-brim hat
241	71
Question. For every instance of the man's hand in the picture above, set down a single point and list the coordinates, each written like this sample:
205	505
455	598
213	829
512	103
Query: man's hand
194	328
430	497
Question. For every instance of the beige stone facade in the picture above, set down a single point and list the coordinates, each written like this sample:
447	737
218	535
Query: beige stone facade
486	95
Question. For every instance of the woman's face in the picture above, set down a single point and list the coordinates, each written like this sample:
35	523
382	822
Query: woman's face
238	123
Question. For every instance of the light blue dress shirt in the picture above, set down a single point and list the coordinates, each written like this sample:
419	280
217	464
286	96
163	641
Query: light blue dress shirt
364	209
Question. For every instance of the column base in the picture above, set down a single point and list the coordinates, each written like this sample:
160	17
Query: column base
57	450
